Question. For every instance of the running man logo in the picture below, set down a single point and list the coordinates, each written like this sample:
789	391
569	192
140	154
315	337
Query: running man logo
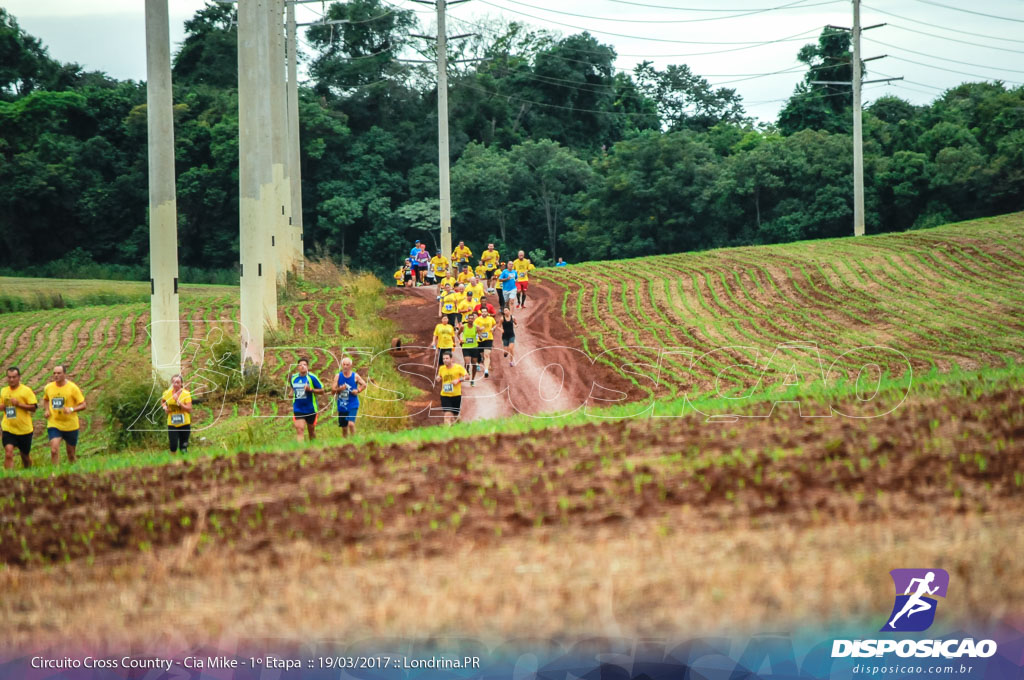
914	609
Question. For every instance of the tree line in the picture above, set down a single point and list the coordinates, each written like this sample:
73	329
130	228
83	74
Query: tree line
552	148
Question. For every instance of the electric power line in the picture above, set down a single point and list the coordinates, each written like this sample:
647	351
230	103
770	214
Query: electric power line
796	3
935	56
949	70
748	43
968	11
945	28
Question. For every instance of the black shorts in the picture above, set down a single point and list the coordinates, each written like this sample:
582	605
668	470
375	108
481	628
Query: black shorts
507	340
308	417
454	318
471	353
22	442
486	344
451	404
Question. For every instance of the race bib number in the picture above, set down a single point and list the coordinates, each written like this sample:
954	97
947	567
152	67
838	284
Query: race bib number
490	265
300	391
57	402
484	335
448	388
10	412
178	419
449	307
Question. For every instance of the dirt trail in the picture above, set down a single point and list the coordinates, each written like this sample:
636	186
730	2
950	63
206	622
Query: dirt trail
551	372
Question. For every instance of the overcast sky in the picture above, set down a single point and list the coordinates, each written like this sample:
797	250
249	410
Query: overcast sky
108	35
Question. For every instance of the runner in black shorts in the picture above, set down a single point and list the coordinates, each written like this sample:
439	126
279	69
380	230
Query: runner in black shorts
451	377
508	334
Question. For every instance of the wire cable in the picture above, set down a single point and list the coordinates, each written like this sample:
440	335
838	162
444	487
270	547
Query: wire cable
673	21
969	11
748	43
698	9
949	70
945	28
935	56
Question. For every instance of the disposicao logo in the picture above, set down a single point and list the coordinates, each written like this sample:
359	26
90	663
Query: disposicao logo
913	612
914	609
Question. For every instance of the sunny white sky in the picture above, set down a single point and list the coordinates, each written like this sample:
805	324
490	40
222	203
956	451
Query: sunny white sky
925	41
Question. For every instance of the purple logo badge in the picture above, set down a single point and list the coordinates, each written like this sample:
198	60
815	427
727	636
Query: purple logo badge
916	590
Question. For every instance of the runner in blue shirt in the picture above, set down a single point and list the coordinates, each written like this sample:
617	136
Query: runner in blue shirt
347	386
304	386
507	285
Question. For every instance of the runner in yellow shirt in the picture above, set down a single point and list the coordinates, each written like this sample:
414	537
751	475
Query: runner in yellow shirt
444	339
491	258
480	270
465	275
441	265
477	287
465	305
522	267
452	376
62	401
448	281
485	337
461	255
177	404
448	306
19	403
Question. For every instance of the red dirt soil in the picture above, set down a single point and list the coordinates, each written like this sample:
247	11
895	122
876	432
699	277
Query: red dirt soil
552	373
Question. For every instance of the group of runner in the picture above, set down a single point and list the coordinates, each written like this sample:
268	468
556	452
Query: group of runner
467	319
62	402
345	388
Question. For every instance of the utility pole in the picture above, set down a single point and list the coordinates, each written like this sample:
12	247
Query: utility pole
254	240
442	132
279	140
858	141
163	212
442	121
294	158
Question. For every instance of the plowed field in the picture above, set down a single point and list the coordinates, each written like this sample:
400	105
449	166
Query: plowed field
951	459
944	298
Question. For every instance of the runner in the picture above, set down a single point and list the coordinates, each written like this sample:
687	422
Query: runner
441	265
431	279
470	348
414	262
461	255
448	280
452	376
305	386
347	386
561	263
485	336
400	276
506	286
448	306
490	258
177	404
62	400
465	275
19	404
407	273
508	334
465	306
444	339
523	267
480	270
477	286
422	263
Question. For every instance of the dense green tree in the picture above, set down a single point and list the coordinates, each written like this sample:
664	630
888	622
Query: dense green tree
822	107
209	53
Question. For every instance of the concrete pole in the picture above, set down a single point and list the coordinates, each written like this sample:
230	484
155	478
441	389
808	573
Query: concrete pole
270	202
279	140
294	158
442	131
858	141
163	211
253	140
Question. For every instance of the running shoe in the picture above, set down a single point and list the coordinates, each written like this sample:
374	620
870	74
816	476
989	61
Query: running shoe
486	374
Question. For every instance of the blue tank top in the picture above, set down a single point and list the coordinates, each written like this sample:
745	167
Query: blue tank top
346	401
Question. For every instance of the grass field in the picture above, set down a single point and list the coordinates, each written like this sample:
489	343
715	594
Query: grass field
600	521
